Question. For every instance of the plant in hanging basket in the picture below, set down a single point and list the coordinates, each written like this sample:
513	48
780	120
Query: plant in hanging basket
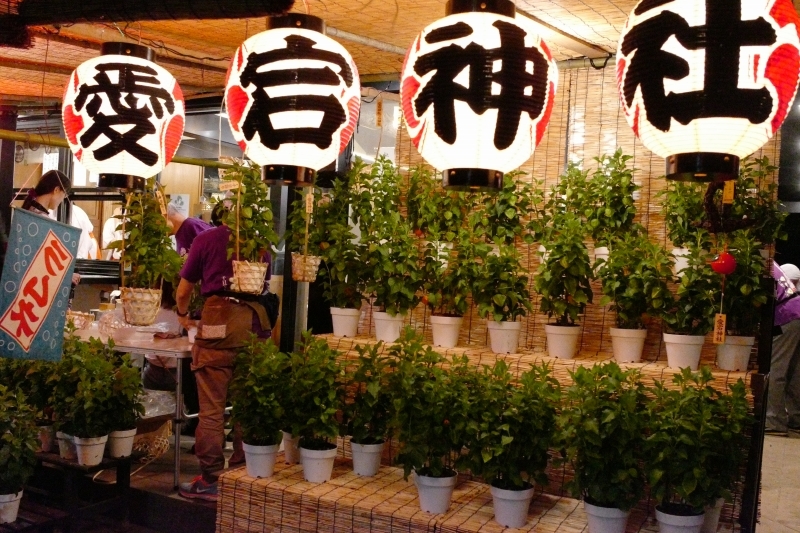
367	413
148	257
511	427
601	429
259	391
251	223
696	437
18	443
430	406
692	309
563	279
307	232
634	279
744	294
315	393
501	288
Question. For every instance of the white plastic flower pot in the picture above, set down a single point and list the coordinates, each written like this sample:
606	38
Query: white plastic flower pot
366	458
605	519
345	321
435	493
47	438
562	341
66	446
681	260
90	450
9	507
711	516
387	328
445	330
511	506
259	460
317	464
120	443
601	252
504	336
735	353
627	344
291	453
670	523
683	350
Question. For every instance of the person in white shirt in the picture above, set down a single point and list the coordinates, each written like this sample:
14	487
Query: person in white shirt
111	234
87	245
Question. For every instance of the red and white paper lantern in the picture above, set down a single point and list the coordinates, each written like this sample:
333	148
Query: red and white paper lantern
706	82
123	115
477	92
293	96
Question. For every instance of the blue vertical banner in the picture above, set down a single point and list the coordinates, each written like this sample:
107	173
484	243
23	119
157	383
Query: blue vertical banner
35	286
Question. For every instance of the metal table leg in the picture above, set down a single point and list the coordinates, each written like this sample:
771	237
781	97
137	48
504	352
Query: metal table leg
176	422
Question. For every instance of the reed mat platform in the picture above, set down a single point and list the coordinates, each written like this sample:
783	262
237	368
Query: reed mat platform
384	503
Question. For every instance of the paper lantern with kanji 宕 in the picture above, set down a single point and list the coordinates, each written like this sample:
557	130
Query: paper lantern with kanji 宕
123	115
293	96
477	92
704	83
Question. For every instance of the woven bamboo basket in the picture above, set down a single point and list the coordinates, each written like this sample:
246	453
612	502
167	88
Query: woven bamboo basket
140	305
248	277
80	320
304	267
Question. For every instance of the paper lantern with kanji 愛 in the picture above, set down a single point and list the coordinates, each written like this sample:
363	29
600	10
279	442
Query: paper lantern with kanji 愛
123	115
477	92
706	82
293	96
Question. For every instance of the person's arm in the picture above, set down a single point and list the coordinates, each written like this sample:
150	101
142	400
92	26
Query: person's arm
182	297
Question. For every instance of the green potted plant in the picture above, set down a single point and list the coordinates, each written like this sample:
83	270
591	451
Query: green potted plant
756	199
258	393
32	378
251	223
449	276
601	428
367	413
743	298
563	280
434	213
694	446
124	404
314	398
510	431
430	417
17	450
689	316
634	281
610	209
148	257
501	293
503	214
307	232
682	207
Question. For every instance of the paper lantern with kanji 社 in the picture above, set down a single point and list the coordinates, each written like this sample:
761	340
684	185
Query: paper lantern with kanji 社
293	96
123	115
704	83
477	92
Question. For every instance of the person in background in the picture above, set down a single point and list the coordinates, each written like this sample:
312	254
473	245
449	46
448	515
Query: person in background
783	398
183	228
87	246
227	323
111	234
48	194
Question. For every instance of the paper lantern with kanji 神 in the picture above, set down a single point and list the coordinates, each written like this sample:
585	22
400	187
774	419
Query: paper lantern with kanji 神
477	92
704	83
293	96
123	115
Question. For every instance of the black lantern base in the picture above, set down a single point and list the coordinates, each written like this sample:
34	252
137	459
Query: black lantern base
498	7
287	175
123	182
127	49
472	179
702	167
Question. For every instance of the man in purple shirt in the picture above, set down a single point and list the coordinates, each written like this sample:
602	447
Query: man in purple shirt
783	399
184	229
228	321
